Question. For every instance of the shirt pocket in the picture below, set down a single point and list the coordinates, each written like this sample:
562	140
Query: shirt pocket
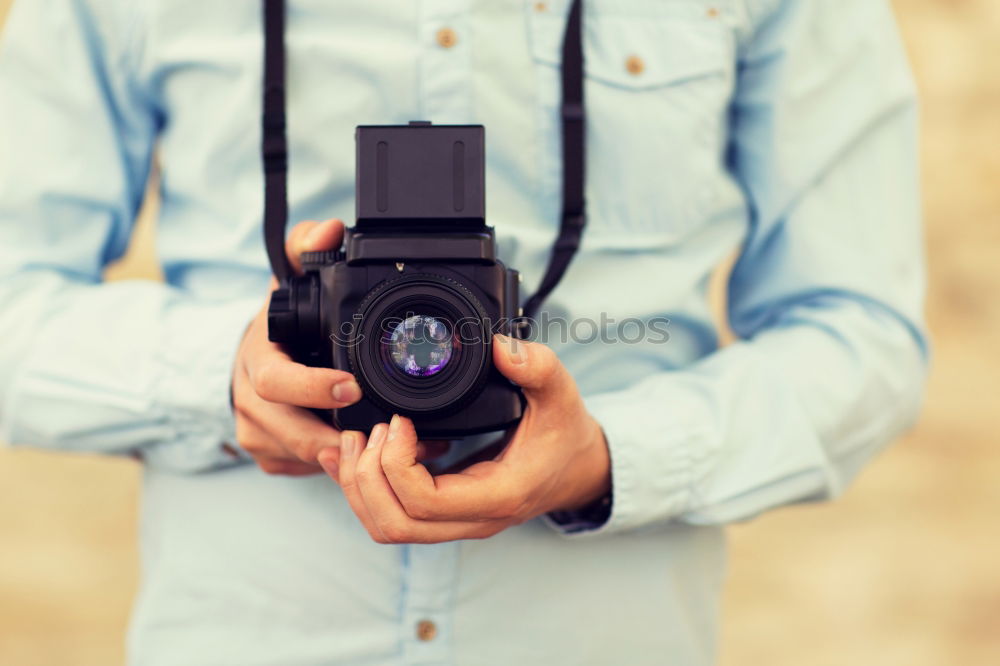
659	77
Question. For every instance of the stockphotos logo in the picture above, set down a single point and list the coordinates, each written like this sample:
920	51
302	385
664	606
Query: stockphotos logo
546	330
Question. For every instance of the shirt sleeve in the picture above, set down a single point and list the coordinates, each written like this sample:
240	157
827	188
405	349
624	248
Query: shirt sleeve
826	297
119	368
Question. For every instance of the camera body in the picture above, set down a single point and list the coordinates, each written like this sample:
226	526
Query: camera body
410	303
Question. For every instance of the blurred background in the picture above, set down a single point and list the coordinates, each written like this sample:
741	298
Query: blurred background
904	570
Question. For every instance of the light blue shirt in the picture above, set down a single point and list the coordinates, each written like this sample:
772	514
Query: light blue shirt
784	130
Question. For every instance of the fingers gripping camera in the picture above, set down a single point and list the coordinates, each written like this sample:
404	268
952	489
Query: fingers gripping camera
409	305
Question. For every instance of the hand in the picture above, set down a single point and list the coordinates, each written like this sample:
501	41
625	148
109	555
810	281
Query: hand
557	460
270	389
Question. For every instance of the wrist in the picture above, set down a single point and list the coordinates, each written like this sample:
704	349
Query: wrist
594	486
593	509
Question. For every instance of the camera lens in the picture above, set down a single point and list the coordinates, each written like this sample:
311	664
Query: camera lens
420	346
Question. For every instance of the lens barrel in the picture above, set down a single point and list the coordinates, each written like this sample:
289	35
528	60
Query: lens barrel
420	345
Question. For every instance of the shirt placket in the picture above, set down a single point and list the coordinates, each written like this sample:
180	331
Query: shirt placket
428	603
445	68
445	89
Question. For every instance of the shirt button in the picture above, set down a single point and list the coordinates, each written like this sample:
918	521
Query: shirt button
541	6
426	630
635	65
446	37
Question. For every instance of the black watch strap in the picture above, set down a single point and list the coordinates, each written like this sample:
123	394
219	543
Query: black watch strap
589	517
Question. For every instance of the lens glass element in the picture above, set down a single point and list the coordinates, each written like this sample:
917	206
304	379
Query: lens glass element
420	346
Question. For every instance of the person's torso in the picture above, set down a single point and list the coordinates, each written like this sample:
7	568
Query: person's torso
265	570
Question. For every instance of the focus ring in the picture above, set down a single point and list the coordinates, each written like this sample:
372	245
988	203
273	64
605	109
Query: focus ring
372	302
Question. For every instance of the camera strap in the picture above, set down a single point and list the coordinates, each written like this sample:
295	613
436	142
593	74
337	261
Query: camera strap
274	151
274	142
574	213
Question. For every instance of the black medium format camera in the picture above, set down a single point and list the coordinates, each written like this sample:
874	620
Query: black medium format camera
409	305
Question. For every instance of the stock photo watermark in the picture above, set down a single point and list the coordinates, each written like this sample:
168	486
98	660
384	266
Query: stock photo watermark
419	328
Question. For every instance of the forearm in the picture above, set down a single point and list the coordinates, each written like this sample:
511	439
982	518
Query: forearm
118	368
790	415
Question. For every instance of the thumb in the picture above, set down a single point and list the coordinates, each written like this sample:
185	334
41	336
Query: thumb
535	368
312	237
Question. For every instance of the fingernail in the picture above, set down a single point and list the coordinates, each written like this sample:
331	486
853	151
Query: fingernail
394	426
347	391
347	443
514	348
378	434
330	466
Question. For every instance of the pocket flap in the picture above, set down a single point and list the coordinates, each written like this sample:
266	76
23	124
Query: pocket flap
638	50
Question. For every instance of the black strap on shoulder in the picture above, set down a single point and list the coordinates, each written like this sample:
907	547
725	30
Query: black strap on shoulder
574	210
274	144
274	150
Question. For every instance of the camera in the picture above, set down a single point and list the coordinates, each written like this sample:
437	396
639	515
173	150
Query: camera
411	301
